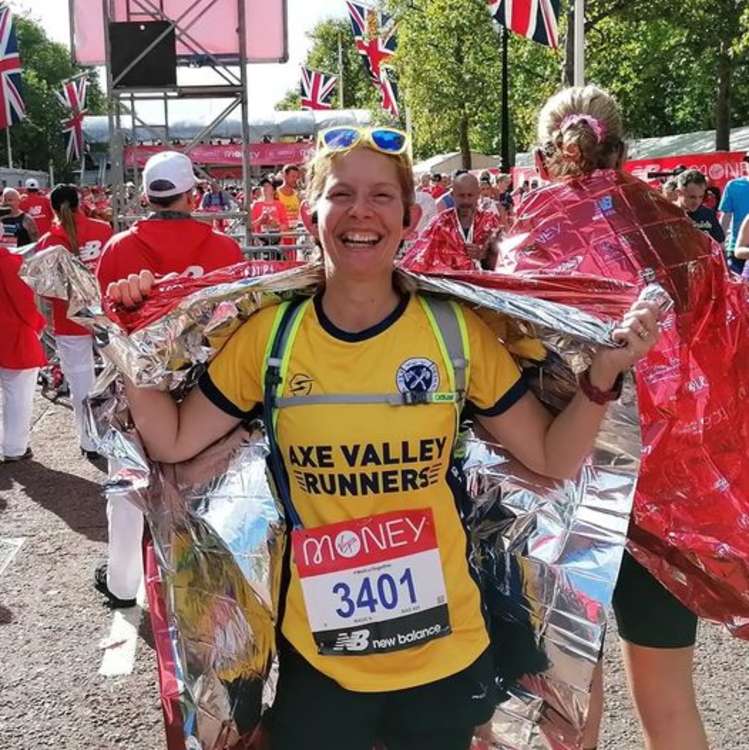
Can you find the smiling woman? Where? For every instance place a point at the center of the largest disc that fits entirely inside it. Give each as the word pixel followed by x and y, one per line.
pixel 377 640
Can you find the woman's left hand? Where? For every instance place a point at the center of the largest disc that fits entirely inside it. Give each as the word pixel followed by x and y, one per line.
pixel 636 335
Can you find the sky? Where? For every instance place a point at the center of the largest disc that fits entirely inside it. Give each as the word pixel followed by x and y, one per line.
pixel 267 83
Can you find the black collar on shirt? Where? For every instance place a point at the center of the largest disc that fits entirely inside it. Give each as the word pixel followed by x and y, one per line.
pixel 367 333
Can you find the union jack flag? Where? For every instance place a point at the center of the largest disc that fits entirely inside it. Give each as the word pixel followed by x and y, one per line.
pixel 12 107
pixel 316 89
pixel 389 94
pixel 73 97
pixel 374 33
pixel 535 19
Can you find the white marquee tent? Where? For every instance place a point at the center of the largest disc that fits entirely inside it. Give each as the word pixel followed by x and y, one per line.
pixel 447 163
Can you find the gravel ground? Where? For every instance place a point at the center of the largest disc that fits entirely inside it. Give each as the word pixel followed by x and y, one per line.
pixel 52 624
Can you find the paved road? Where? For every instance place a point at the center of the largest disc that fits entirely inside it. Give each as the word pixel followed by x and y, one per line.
pixel 54 628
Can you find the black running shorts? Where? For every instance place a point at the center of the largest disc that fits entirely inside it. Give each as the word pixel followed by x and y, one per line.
pixel 647 614
pixel 312 711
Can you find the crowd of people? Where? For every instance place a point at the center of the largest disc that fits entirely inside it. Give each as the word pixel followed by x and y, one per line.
pixel 360 205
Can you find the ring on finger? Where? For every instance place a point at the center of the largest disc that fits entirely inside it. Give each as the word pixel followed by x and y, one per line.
pixel 643 333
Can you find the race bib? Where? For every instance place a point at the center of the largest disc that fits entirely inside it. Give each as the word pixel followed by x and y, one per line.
pixel 373 585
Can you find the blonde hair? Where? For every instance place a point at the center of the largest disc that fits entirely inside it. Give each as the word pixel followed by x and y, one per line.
pixel 321 164
pixel 580 130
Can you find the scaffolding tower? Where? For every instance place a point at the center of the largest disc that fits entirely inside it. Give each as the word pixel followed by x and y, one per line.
pixel 228 70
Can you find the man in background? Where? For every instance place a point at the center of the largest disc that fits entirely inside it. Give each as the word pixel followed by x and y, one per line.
pixel 37 206
pixel 288 193
pixel 461 238
pixel 734 208
pixel 168 241
pixel 215 200
pixel 18 227
pixel 690 191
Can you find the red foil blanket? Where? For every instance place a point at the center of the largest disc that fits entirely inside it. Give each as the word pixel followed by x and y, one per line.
pixel 171 290
pixel 442 244
pixel 690 525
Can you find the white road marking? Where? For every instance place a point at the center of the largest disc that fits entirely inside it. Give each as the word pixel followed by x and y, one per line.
pixel 119 647
pixel 8 549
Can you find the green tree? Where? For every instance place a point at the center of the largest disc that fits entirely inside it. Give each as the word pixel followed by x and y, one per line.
pixel 660 60
pixel 675 67
pixel 715 31
pixel 358 91
pixel 291 100
pixel 534 77
pixel 448 61
pixel 38 140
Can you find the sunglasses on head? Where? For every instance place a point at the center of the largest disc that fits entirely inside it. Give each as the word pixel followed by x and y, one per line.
pixel 344 138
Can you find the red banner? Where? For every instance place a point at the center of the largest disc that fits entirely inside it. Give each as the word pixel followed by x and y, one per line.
pixel 719 167
pixel 261 154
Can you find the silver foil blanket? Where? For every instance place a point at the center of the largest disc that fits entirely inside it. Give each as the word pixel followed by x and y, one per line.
pixel 547 552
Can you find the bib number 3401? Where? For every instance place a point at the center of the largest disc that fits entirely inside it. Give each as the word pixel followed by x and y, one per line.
pixel 384 591
pixel 373 585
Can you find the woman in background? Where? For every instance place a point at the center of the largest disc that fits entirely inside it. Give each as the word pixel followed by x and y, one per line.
pixel 85 238
pixel 581 131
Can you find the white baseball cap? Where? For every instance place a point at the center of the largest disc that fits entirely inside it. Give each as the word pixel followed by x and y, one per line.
pixel 32 184
pixel 168 173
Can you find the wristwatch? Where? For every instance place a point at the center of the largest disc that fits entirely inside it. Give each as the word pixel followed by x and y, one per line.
pixel 596 395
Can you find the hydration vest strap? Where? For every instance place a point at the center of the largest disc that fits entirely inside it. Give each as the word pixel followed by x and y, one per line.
pixel 448 325
pixel 391 399
pixel 285 326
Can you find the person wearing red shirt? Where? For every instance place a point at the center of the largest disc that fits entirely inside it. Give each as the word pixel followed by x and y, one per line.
pixel 37 206
pixel 21 356
pixel 438 187
pixel 168 241
pixel 269 216
pixel 85 238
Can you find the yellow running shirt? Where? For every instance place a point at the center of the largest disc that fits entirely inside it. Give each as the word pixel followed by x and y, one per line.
pixel 383 466
pixel 291 203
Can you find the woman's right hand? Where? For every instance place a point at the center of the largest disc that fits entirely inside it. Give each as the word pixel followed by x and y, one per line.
pixel 133 290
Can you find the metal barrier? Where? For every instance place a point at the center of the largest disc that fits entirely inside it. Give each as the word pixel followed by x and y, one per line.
pixel 255 246
pixel 270 246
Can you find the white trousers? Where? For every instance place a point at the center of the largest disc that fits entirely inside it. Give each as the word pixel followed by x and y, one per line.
pixel 125 557
pixel 77 361
pixel 17 388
